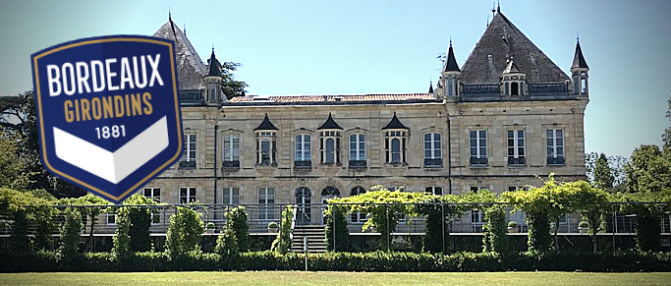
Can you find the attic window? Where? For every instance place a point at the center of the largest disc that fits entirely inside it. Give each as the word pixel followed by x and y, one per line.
pixel 514 88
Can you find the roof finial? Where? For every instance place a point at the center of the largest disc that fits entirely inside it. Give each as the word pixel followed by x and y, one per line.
pixel 450 40
pixel 493 8
pixel 184 28
pixel 487 20
pixel 169 14
pixel 577 37
pixel 498 7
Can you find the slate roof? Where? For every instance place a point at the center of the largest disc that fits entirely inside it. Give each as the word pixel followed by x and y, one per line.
pixel 395 124
pixel 501 41
pixel 511 68
pixel 578 59
pixel 214 65
pixel 330 124
pixel 190 67
pixel 266 125
pixel 331 99
pixel 451 64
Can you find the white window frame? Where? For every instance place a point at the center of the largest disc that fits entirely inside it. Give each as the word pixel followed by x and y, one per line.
pixel 303 148
pixel 432 151
pixel 266 207
pixel 152 194
pixel 231 152
pixel 335 136
pixel 358 151
pixel 554 143
pixel 112 216
pixel 233 193
pixel 432 190
pixel 270 137
pixel 190 192
pixel 188 139
pixel 358 217
pixel 401 135
pixel 478 145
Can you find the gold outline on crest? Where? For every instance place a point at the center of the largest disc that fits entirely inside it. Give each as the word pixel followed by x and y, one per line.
pixel 98 41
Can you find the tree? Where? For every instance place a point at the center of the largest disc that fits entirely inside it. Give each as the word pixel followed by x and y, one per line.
pixel 238 219
pixel 282 242
pixel 70 234
pixel 593 204
pixel 139 214
pixel 666 137
pixel 229 86
pixel 649 170
pixel 12 166
pixel 336 228
pixel 17 117
pixel 603 175
pixel 122 238
pixel 227 242
pixel 95 206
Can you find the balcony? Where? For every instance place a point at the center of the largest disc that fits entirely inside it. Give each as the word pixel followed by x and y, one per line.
pixel 302 164
pixel 357 164
pixel 479 162
pixel 433 163
pixel 512 161
pixel 557 161
pixel 231 165
pixel 187 165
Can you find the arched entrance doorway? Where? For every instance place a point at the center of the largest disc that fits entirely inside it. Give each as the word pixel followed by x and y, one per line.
pixel 327 194
pixel 303 195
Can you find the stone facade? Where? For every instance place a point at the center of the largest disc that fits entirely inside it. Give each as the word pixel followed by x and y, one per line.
pixel 500 89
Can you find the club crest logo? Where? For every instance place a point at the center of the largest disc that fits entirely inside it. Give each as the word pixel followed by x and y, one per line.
pixel 108 112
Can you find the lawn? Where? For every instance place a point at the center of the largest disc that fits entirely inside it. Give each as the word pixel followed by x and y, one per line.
pixel 336 278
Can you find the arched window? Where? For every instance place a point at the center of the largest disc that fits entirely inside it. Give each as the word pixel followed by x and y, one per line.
pixel 330 146
pixel 328 193
pixel 514 88
pixel 330 151
pixel 266 148
pixel 358 217
pixel 395 150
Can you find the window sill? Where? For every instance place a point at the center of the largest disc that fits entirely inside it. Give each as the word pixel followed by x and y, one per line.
pixel 479 166
pixel 556 165
pixel 516 165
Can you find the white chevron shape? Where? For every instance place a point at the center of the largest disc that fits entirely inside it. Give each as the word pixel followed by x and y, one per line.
pixel 112 166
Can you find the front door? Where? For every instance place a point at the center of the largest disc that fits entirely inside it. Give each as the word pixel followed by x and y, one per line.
pixel 303 206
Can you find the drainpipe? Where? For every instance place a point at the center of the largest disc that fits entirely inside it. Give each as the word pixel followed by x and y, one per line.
pixel 449 156
pixel 216 128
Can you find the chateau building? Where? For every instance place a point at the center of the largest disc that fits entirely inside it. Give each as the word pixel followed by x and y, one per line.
pixel 507 114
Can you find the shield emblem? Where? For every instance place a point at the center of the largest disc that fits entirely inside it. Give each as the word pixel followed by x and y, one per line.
pixel 108 112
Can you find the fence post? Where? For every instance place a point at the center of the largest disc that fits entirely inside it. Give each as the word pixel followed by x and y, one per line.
pixel 334 227
pixel 280 229
pixel 386 211
pixel 614 229
pixel 305 251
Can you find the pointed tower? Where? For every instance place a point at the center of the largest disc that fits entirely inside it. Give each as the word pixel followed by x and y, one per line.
pixel 213 80
pixel 449 77
pixel 579 72
pixel 431 87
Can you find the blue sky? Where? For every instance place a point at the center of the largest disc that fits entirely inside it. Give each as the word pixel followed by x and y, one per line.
pixel 344 47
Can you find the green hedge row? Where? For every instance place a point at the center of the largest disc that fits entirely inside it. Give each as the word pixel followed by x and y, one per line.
pixel 375 261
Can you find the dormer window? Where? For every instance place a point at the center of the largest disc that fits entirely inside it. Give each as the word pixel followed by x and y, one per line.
pixel 266 143
pixel 330 135
pixel 513 80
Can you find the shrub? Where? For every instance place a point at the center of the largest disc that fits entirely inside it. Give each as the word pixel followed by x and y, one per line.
pixel 495 238
pixel 336 232
pixel 282 243
pixel 140 218
pixel 210 225
pixel 122 239
pixel 583 224
pixel 513 224
pixel 238 218
pixel 227 242
pixel 272 224
pixel 70 234
pixel 184 232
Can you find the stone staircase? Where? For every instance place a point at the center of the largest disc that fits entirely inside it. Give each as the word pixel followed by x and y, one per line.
pixel 315 235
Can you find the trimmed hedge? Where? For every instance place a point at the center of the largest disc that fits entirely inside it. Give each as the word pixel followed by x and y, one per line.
pixel 337 261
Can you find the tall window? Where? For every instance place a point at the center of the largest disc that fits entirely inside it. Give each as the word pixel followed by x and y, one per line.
pixel 231 196
pixel 155 195
pixel 395 146
pixel 266 203
pixel 555 147
pixel 516 147
pixel 231 151
pixel 433 155
pixel 478 143
pixel 188 160
pixel 330 147
pixel 187 195
pixel 302 154
pixel 266 148
pixel 358 217
pixel 450 87
pixel 477 216
pixel 438 191
pixel 357 150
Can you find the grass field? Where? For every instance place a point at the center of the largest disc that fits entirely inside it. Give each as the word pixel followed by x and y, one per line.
pixel 336 278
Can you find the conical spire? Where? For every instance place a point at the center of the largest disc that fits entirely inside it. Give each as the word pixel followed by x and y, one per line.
pixel 451 64
pixel 330 124
pixel 395 124
pixel 266 125
pixel 578 60
pixel 215 66
pixel 430 86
